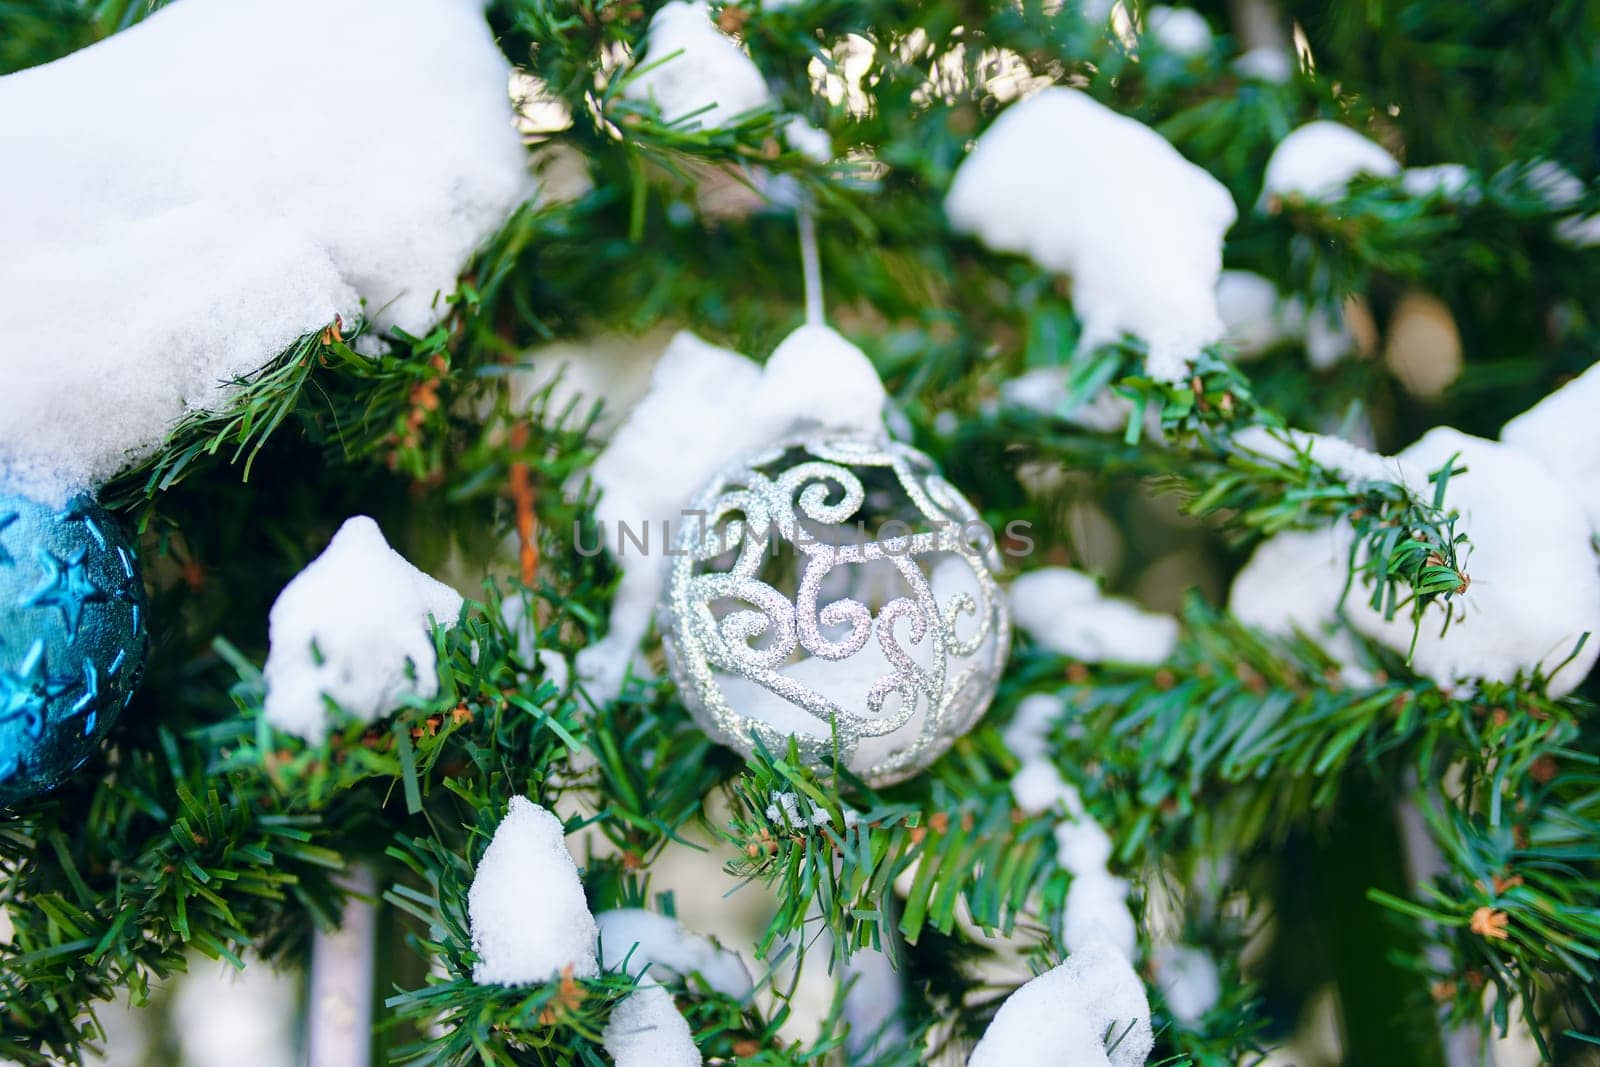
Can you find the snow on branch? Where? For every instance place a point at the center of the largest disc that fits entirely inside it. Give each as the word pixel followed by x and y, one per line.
pixel 1107 201
pixel 353 628
pixel 261 194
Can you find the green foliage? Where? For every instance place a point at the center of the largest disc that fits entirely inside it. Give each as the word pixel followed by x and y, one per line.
pixel 957 833
pixel 200 829
pixel 1241 738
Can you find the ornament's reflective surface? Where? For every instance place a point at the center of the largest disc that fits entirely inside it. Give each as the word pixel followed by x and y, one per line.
pixel 72 637
pixel 838 590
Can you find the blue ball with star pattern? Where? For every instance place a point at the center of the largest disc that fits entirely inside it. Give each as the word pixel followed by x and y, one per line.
pixel 72 637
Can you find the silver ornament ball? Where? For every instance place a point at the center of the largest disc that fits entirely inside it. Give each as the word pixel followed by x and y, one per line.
pixel 835 589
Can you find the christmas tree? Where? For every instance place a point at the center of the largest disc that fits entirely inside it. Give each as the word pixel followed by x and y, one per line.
pixel 368 359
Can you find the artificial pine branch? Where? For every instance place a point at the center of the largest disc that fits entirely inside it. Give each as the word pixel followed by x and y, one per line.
pixel 1241 737
pixel 199 828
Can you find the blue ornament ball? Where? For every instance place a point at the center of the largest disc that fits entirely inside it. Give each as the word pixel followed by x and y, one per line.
pixel 72 637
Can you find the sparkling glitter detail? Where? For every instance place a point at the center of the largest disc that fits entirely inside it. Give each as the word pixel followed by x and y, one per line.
pixel 72 638
pixel 790 493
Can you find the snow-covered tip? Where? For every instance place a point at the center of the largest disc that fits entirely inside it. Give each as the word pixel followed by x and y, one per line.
pixel 1319 160
pixel 693 71
pixel 1065 611
pixel 1096 909
pixel 707 405
pixel 646 1029
pixel 1038 787
pixel 816 377
pixel 240 243
pixel 1091 1011
pixel 655 946
pixel 353 627
pixel 529 919
pixel 1105 199
pixel 1556 187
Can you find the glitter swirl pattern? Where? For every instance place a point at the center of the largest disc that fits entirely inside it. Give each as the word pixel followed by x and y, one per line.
pixel 751 661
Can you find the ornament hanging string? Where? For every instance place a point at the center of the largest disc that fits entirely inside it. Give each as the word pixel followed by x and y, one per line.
pixel 810 264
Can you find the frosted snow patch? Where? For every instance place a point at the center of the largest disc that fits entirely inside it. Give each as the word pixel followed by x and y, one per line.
pixel 1065 611
pixel 1044 390
pixel 1083 847
pixel 1096 910
pixel 1535 582
pixel 1451 181
pixel 695 72
pixel 785 810
pixel 1268 63
pixel 657 946
pixel 1027 734
pixel 1561 431
pixel 1182 31
pixel 1256 316
pixel 1579 231
pixel 1551 182
pixel 178 212
pixel 1292 583
pixel 707 406
pixel 1188 979
pixel 526 906
pixel 353 627
pixel 1350 462
pixel 1253 319
pixel 1105 199
pixel 611 370
pixel 808 140
pixel 872 1007
pixel 1318 160
pixel 646 1028
pixel 1070 1014
pixel 1038 787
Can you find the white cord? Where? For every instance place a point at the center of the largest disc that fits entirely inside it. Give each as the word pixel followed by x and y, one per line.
pixel 810 264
